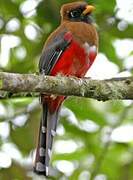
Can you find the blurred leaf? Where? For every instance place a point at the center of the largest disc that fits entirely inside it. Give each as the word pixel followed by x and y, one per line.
pixel 83 109
pixel 25 137
pixel 107 48
pixel 14 172
pixel 9 9
pixel 116 152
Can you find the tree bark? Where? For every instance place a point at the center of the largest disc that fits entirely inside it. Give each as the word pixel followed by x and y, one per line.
pixel 31 84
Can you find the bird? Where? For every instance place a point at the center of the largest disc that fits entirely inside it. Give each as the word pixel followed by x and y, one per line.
pixel 70 50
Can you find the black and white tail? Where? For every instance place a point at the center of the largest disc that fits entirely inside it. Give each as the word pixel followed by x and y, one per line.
pixel 46 133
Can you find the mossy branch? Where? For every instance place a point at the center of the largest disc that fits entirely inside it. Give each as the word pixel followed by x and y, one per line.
pixel 30 84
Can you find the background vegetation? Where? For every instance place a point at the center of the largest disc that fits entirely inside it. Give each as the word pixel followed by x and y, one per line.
pixel 86 144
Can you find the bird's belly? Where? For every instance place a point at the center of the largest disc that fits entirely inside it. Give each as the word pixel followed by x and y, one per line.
pixel 74 61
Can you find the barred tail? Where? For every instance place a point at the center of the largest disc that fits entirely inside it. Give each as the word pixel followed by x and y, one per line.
pixel 46 133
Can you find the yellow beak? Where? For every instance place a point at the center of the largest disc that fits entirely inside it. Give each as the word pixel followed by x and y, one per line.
pixel 88 9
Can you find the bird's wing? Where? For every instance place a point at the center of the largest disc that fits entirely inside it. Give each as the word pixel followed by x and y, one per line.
pixel 53 50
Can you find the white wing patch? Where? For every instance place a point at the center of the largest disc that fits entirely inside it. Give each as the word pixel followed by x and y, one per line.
pixel 89 49
pixel 86 46
pixel 93 49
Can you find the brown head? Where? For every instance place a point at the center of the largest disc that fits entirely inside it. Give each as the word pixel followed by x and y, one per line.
pixel 76 12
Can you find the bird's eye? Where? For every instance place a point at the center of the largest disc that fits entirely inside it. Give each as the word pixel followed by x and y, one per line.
pixel 75 13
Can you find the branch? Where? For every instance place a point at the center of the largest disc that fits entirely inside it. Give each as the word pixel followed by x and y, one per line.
pixel 116 88
pixel 7 95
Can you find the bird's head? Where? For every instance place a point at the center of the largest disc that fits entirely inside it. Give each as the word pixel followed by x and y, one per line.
pixel 77 12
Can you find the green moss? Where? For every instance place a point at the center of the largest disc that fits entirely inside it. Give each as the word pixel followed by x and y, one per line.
pixel 1 83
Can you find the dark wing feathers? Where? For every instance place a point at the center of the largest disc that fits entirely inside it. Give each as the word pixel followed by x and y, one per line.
pixel 52 52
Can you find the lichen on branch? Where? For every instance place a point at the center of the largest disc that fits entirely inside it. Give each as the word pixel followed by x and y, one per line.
pixel 110 89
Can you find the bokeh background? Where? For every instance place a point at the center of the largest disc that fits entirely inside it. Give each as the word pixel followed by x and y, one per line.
pixel 94 139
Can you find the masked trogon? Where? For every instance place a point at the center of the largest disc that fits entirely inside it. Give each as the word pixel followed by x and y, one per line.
pixel 70 51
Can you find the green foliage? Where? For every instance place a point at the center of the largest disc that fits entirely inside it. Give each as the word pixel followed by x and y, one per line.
pixel 87 123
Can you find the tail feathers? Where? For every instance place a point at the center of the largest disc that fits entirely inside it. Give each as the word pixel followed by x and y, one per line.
pixel 46 133
pixel 51 132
